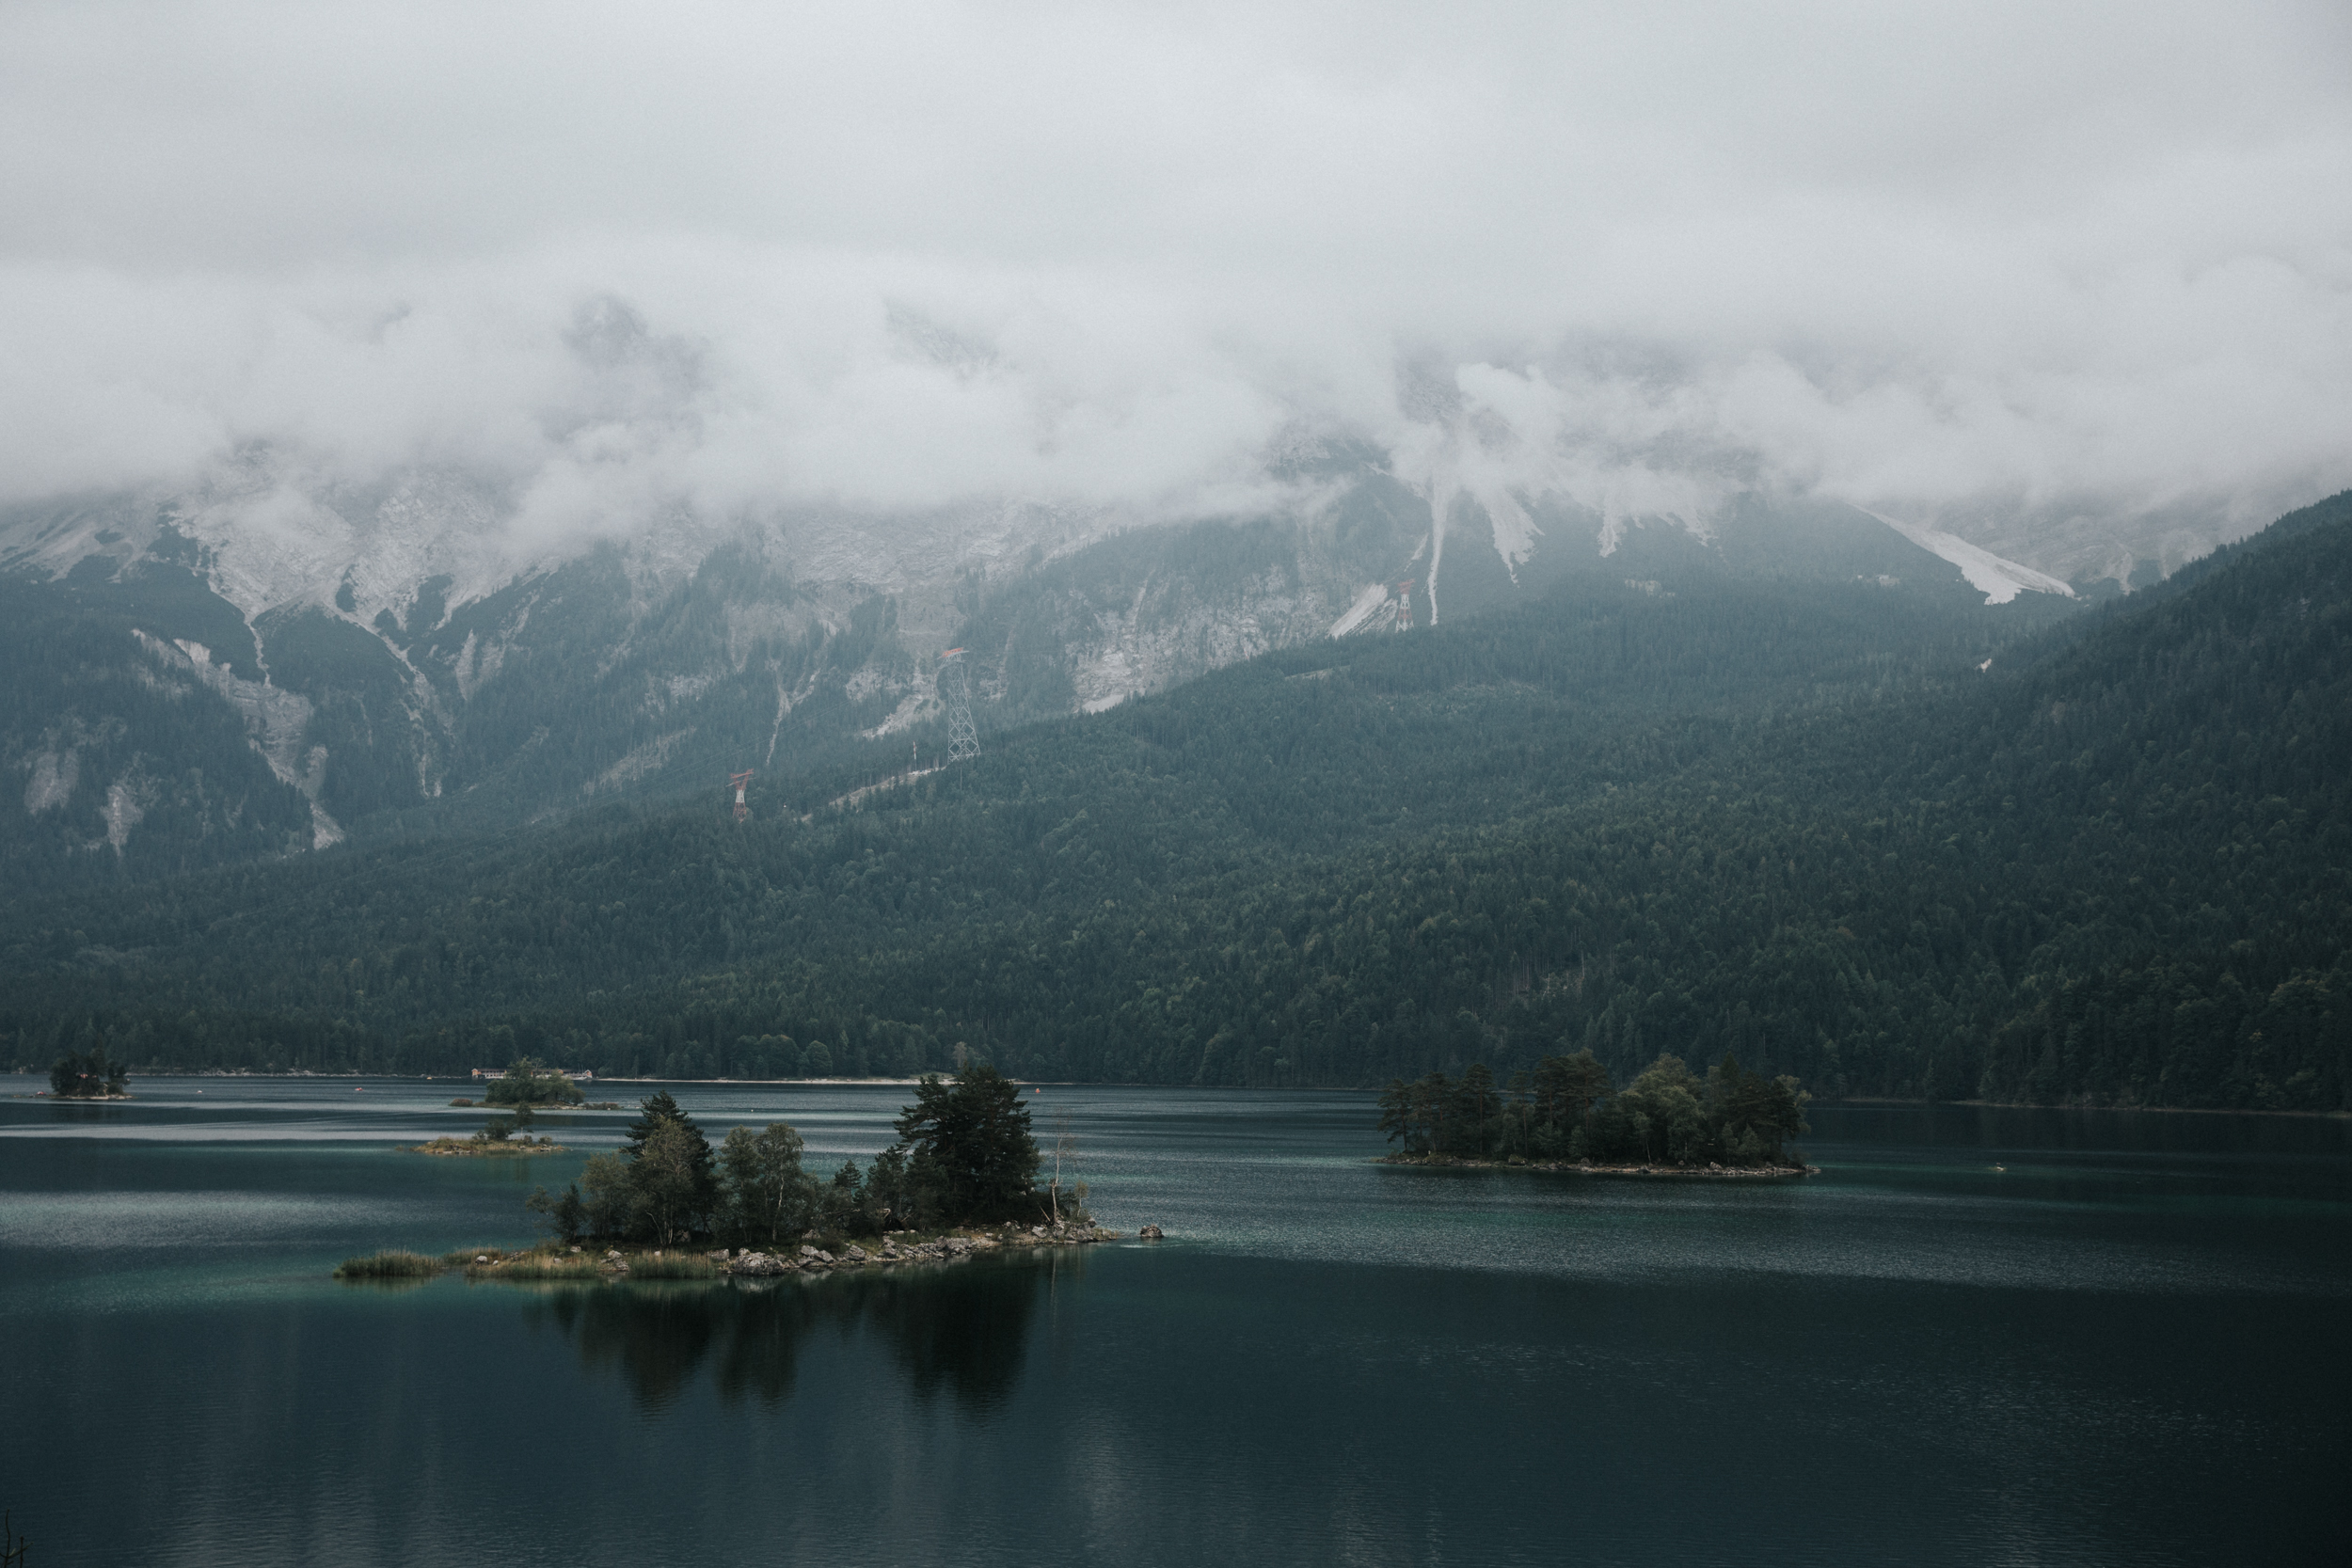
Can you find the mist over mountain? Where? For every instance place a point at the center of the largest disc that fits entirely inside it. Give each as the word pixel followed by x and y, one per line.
pixel 420 429
pixel 441 417
pixel 2072 291
pixel 188 691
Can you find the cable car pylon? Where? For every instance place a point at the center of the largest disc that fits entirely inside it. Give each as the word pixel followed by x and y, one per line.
pixel 955 694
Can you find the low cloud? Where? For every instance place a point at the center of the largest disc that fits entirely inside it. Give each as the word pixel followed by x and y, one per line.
pixel 2043 273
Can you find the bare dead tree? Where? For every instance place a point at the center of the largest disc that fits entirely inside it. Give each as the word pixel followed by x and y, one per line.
pixel 1065 1145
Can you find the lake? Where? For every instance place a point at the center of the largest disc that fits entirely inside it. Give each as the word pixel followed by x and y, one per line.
pixel 1979 1337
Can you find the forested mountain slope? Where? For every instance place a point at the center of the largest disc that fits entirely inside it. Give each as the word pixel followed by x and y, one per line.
pixel 1796 821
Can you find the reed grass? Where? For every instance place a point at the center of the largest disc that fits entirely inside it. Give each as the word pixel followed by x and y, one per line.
pixel 537 1266
pixel 389 1265
pixel 539 1263
pixel 457 1257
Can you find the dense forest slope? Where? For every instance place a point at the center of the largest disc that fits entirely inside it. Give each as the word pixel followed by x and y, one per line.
pixel 1796 819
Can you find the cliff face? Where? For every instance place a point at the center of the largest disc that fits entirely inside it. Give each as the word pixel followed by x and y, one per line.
pixel 265 670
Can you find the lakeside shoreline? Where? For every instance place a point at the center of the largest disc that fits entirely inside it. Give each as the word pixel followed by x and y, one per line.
pixel 1850 1101
pixel 1585 1167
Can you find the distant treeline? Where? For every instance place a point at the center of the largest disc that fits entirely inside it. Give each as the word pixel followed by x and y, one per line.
pixel 1790 822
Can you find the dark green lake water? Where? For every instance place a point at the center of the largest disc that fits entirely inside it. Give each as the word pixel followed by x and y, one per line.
pixel 2128 1346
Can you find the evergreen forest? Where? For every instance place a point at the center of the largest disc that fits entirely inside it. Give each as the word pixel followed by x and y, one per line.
pixel 964 1156
pixel 1892 844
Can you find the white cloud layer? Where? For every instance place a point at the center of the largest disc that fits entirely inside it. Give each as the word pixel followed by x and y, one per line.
pixel 2008 266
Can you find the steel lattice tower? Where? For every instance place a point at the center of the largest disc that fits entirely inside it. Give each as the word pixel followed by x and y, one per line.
pixel 955 693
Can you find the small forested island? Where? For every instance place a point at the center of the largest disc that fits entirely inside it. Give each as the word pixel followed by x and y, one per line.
pixel 1564 1115
pixel 961 1178
pixel 88 1075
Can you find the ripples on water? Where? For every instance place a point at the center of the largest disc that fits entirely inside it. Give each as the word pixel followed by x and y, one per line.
pixel 2118 1347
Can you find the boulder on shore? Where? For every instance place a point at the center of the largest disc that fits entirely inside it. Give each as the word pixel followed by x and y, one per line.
pixel 757 1264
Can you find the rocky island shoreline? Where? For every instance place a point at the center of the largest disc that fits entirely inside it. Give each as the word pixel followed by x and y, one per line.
pixel 554 1261
pixel 954 1248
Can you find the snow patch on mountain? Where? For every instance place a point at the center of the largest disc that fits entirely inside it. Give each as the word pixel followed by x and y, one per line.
pixel 124 810
pixel 1998 578
pixel 1515 532
pixel 1366 604
pixel 54 776
pixel 1112 676
pixel 640 761
pixel 275 723
pixel 913 709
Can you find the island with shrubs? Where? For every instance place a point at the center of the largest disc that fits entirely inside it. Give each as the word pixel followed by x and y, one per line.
pixel 962 1181
pixel 501 1138
pixel 523 1089
pixel 1567 1116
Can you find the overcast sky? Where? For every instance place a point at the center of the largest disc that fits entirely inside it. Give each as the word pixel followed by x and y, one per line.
pixel 2042 256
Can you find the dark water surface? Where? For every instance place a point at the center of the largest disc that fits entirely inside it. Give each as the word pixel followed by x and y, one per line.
pixel 2127 1346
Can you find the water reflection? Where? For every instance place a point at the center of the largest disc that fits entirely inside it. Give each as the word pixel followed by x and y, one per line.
pixel 963 1328
pixel 386 1285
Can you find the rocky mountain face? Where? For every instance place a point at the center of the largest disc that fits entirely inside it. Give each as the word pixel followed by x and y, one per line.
pixel 271 663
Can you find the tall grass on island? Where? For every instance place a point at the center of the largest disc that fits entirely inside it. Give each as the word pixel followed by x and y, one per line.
pixel 389 1265
pixel 541 1263
pixel 535 1263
